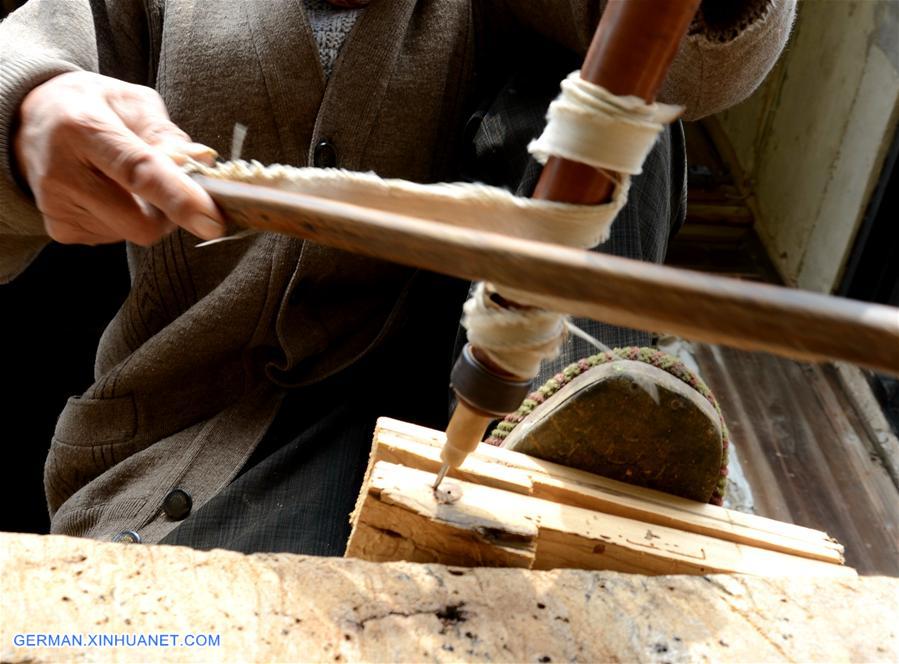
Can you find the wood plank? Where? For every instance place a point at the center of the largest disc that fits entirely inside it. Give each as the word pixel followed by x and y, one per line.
pixel 736 215
pixel 418 447
pixel 482 525
pixel 856 387
pixel 805 452
pixel 620 291
pixel 721 193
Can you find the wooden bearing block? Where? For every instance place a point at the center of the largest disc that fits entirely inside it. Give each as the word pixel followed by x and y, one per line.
pixel 502 508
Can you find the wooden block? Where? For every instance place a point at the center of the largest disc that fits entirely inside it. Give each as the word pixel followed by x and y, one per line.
pixel 400 517
pixel 418 447
pixel 515 510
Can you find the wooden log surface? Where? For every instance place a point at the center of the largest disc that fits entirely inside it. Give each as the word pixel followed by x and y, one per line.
pixel 493 517
pixel 719 310
pixel 286 608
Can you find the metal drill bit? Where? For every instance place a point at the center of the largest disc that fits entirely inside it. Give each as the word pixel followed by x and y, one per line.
pixel 444 469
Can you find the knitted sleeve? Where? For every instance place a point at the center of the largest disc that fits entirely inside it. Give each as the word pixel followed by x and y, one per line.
pixel 39 41
pixel 730 48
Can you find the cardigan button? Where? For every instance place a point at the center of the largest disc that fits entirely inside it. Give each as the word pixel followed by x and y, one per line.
pixel 177 504
pixel 127 537
pixel 324 155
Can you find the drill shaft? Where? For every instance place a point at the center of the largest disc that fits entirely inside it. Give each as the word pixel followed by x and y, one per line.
pixel 466 429
pixel 630 54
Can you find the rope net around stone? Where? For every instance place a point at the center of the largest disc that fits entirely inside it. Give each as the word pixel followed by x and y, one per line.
pixel 653 356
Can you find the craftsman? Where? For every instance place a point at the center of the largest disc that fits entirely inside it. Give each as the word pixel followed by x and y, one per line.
pixel 237 387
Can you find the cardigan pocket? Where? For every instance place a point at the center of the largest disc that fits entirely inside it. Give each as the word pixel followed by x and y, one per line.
pixel 89 422
pixel 91 436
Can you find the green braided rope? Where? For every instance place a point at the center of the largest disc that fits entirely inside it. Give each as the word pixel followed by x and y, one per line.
pixel 653 356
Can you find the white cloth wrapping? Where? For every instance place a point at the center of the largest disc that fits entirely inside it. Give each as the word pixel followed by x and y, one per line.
pixel 458 204
pixel 589 124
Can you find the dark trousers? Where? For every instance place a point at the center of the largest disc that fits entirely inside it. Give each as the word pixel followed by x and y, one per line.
pixel 299 487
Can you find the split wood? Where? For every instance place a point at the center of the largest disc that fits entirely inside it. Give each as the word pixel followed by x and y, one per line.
pixel 509 509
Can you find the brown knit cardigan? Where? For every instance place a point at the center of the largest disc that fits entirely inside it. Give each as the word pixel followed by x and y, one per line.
pixel 189 372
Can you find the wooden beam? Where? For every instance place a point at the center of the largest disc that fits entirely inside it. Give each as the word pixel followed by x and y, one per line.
pixel 717 310
pixel 505 510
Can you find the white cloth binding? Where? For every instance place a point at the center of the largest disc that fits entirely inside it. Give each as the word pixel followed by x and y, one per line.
pixel 589 124
pixel 459 204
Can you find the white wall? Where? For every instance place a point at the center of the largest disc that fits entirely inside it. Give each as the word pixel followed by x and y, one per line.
pixel 811 141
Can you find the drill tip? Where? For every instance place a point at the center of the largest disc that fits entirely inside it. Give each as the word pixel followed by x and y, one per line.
pixel 444 469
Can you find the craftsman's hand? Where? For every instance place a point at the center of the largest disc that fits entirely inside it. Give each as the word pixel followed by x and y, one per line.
pixel 100 156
